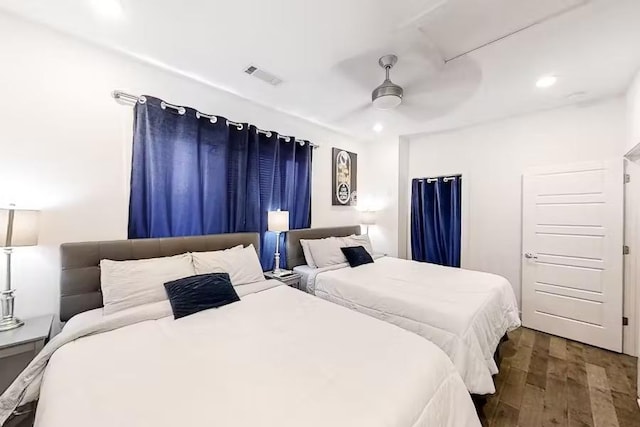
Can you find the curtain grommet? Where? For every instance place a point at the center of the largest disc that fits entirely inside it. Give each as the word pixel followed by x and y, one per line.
pixel 237 125
pixel 180 110
pixel 142 99
pixel 212 119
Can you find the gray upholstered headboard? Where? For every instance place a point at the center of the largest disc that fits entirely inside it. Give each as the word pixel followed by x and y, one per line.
pixel 295 256
pixel 80 276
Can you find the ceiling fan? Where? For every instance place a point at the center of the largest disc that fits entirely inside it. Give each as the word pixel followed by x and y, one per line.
pixel 388 95
pixel 430 87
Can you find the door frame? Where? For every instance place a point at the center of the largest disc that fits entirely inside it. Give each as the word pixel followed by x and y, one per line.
pixel 631 341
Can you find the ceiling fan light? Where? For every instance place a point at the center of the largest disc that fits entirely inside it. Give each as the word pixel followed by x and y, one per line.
pixel 387 102
pixel 387 96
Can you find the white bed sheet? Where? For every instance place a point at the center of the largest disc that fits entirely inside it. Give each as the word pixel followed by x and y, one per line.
pixel 279 357
pixel 464 312
pixel 308 274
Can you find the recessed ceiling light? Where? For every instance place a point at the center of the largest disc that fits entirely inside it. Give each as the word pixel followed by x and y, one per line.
pixel 377 128
pixel 111 9
pixel 546 81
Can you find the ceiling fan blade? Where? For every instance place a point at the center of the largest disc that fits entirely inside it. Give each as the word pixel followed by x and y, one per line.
pixel 416 54
pixel 443 92
pixel 414 111
pixel 354 113
pixel 458 73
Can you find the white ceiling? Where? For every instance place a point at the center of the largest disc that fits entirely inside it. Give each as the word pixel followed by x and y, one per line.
pixel 326 52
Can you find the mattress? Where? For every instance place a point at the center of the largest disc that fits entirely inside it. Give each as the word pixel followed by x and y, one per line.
pixel 464 312
pixel 278 357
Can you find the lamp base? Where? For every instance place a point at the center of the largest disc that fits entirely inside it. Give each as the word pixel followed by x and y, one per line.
pixel 10 323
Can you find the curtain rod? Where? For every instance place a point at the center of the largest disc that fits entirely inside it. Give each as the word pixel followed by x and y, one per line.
pixel 445 178
pixel 120 95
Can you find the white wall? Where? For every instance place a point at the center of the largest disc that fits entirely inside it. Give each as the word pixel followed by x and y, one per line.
pixel 404 198
pixel 492 158
pixel 65 144
pixel 381 196
pixel 633 113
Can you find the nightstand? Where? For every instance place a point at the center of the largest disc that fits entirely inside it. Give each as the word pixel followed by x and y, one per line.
pixel 292 279
pixel 19 346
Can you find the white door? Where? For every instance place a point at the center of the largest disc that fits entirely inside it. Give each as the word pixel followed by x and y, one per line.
pixel 572 240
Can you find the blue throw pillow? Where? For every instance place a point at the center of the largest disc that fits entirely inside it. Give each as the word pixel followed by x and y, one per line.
pixel 192 294
pixel 356 255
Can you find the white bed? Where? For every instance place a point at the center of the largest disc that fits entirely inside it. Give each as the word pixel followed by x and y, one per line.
pixel 278 357
pixel 464 312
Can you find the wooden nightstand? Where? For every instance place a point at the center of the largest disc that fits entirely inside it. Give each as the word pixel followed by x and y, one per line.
pixel 19 346
pixel 292 279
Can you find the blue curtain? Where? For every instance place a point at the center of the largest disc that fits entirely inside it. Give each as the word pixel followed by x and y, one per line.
pixel 193 177
pixel 436 220
pixel 285 183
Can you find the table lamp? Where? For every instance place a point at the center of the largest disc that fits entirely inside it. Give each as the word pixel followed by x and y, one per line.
pixel 18 227
pixel 368 218
pixel 278 222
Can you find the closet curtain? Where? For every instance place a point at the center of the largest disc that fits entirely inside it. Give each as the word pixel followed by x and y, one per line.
pixel 190 176
pixel 436 220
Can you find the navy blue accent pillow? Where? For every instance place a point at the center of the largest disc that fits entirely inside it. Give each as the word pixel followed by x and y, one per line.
pixel 356 255
pixel 192 294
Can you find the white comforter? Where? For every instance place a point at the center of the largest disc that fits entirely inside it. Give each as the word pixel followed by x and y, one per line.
pixel 464 312
pixel 278 357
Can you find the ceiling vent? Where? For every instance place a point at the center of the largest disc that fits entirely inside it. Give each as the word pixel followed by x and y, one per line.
pixel 265 76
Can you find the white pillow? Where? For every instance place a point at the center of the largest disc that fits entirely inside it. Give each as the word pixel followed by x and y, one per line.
pixel 326 252
pixel 127 284
pixel 242 264
pixel 307 253
pixel 361 240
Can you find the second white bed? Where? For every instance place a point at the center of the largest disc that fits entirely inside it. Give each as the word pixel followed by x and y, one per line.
pixel 464 312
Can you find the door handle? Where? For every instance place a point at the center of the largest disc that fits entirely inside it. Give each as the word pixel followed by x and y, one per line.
pixel 530 256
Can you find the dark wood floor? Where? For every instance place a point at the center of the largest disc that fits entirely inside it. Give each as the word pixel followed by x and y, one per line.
pixel 549 381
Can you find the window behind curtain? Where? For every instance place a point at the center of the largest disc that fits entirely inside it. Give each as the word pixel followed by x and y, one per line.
pixel 193 177
pixel 436 213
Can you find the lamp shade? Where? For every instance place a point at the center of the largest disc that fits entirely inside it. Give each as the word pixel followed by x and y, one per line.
pixel 18 227
pixel 278 221
pixel 368 218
